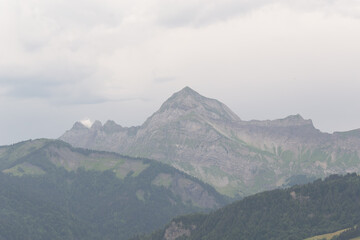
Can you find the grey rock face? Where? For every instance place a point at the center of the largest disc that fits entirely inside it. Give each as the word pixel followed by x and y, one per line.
pixel 177 230
pixel 204 138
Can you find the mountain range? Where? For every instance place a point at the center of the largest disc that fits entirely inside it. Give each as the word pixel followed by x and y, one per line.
pixel 204 138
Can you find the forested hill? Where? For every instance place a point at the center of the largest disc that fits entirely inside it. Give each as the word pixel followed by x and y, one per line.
pixel 323 206
pixel 49 190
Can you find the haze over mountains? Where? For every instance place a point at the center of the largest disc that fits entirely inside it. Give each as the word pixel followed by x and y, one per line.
pixel 52 190
pixel 205 139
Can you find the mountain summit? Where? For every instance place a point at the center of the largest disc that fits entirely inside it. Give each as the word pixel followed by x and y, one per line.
pixel 204 138
pixel 188 100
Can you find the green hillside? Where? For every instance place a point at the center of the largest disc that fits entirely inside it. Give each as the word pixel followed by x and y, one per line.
pixel 300 212
pixel 49 190
pixel 327 236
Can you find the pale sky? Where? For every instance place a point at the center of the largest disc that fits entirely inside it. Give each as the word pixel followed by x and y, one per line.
pixel 63 61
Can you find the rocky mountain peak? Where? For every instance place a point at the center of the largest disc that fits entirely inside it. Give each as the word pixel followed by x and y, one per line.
pixel 111 126
pixel 78 126
pixel 289 121
pixel 187 100
pixel 188 91
pixel 297 120
pixel 97 125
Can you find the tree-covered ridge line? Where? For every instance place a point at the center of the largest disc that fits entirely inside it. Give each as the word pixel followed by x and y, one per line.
pixel 35 151
pixel 80 201
pixel 299 212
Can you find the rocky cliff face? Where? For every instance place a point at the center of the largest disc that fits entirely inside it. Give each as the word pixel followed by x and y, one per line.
pixel 204 138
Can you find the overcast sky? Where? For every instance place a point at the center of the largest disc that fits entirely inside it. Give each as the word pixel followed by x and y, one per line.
pixel 62 61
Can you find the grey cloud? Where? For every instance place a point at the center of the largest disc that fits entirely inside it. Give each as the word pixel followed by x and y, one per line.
pixel 32 46
pixel 58 85
pixel 39 23
pixel 30 86
pixel 84 97
pixel 30 90
pixel 164 79
pixel 54 92
pixel 79 99
pixel 206 12
pixel 202 13
pixel 53 73
pixel 348 8
pixel 66 13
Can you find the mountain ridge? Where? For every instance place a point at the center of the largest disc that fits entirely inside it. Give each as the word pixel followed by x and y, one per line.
pixel 51 190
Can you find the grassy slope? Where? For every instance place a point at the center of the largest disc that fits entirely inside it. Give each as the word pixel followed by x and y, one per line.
pixel 327 236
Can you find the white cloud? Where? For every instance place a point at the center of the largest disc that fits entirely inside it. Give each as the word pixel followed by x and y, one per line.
pixel 87 122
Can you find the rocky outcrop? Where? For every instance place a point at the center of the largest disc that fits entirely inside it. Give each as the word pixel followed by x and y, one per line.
pixel 176 230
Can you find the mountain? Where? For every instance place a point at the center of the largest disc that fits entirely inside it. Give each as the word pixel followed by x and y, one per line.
pixel 205 139
pixel 300 212
pixel 50 190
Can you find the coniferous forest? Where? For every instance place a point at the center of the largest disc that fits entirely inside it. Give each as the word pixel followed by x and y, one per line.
pixel 324 206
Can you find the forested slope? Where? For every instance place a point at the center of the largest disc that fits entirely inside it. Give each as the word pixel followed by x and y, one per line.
pixel 299 212
pixel 49 190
